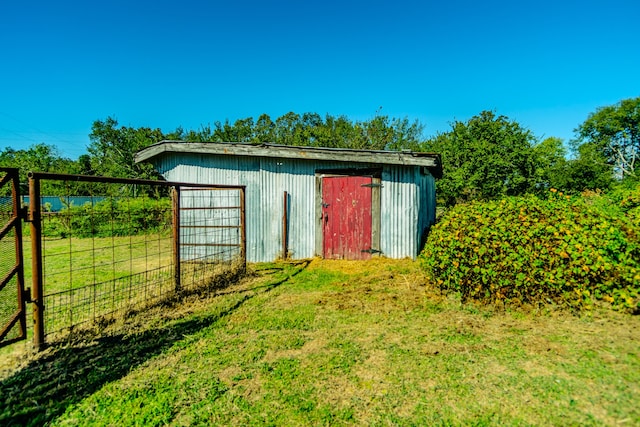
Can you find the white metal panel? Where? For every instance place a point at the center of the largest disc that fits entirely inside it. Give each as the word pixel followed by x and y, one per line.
pixel 399 212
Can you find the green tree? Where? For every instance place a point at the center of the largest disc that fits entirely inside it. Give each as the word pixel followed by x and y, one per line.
pixel 112 149
pixel 289 129
pixel 265 129
pixel 615 131
pixel 588 171
pixel 39 157
pixel 485 158
pixel 551 165
pixel 311 129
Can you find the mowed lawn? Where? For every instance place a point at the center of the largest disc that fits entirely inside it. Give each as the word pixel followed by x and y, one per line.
pixel 336 343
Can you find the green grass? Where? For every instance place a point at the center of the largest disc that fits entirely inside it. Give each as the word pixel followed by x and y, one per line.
pixel 86 279
pixel 337 343
pixel 72 262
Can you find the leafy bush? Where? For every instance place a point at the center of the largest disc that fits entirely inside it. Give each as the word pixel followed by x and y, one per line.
pixel 529 250
pixel 111 217
pixel 630 205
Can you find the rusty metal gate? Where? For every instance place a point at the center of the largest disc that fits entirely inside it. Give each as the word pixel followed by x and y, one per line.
pixel 12 293
pixel 127 248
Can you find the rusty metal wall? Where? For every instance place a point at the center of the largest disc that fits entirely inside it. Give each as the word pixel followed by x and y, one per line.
pixel 403 217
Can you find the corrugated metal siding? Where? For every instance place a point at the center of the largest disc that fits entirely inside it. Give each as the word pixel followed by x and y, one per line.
pixel 427 217
pixel 267 179
pixel 398 212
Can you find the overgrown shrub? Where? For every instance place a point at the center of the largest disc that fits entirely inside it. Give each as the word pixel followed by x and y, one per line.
pixel 529 250
pixel 111 217
pixel 630 205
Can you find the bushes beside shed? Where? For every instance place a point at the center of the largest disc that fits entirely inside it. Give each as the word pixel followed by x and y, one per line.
pixel 572 251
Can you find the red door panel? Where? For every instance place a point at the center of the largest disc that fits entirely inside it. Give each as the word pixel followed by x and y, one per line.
pixel 346 216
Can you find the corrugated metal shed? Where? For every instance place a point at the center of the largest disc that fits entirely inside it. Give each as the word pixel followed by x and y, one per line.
pixel 403 209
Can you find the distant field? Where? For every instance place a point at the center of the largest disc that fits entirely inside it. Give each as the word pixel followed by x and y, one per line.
pixel 337 343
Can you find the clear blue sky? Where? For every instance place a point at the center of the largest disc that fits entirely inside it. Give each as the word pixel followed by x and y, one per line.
pixel 163 64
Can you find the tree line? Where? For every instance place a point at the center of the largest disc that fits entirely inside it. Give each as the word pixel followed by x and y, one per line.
pixel 486 157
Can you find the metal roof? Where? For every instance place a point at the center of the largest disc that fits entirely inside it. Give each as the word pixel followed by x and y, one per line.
pixel 429 160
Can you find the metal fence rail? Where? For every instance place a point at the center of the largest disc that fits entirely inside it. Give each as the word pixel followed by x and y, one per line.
pixel 133 244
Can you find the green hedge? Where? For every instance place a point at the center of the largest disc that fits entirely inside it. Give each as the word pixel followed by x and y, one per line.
pixel 111 217
pixel 567 250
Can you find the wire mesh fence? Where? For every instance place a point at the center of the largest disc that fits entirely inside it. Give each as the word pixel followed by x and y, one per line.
pixel 12 316
pixel 211 232
pixel 130 245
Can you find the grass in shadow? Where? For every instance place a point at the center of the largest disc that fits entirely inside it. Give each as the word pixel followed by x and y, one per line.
pixel 43 389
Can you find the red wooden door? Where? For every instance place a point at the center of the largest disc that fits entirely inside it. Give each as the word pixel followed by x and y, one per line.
pixel 346 217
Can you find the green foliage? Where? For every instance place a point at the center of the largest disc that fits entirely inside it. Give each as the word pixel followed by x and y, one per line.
pixel 311 129
pixel 550 158
pixel 485 158
pixel 615 132
pixel 527 250
pixel 112 149
pixel 111 217
pixel 588 171
pixel 628 201
pixel 37 158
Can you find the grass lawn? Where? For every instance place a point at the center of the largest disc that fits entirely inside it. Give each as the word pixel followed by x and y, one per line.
pixel 335 343
pixel 71 263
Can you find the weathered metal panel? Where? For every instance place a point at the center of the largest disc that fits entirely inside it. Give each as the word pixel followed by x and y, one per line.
pixel 266 180
pixel 427 203
pixel 399 212
pixel 402 217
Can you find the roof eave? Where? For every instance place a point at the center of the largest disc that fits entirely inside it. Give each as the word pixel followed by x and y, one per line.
pixel 409 158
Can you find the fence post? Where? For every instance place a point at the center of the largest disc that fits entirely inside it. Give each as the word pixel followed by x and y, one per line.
pixel 285 224
pixel 35 220
pixel 243 228
pixel 175 194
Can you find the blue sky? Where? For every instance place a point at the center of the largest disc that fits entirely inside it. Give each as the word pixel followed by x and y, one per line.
pixel 163 64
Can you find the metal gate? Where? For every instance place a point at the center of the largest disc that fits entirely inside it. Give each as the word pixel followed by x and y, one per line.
pixel 12 293
pixel 125 249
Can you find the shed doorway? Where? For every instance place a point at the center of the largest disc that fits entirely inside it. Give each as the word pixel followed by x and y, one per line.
pixel 347 217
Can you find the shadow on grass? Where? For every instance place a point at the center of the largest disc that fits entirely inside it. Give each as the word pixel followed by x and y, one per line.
pixel 42 390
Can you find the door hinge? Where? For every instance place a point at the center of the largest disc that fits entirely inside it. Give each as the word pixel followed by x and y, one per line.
pixel 372 185
pixel 371 251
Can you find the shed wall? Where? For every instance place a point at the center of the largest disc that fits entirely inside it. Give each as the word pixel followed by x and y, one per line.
pixel 266 180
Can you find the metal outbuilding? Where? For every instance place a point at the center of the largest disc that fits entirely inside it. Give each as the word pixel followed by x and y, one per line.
pixel 303 202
